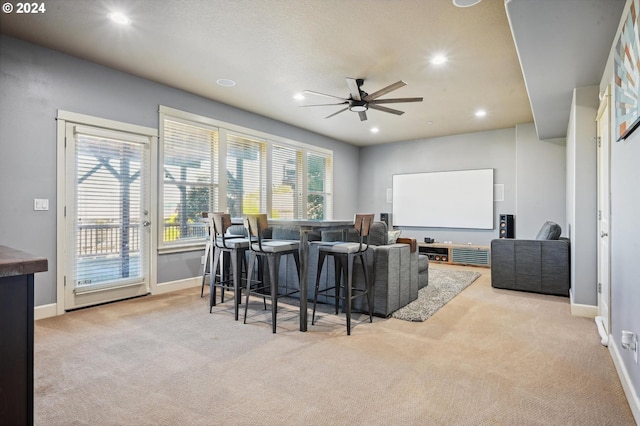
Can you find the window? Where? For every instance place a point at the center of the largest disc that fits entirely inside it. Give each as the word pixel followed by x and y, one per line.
pixel 319 191
pixel 286 181
pixel 246 175
pixel 190 179
pixel 215 166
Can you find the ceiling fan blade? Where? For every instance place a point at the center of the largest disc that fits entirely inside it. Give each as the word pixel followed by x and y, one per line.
pixel 311 92
pixel 363 115
pixel 354 89
pixel 396 100
pixel 315 105
pixel 338 112
pixel 385 90
pixel 385 109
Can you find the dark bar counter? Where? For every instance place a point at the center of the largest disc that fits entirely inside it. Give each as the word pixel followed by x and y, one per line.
pixel 16 334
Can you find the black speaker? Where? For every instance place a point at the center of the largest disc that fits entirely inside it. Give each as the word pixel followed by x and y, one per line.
pixel 385 217
pixel 507 227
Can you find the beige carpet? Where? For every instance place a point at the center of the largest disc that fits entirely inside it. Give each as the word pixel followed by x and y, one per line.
pixel 488 357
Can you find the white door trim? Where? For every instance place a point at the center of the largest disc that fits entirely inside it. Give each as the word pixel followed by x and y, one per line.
pixel 604 216
pixel 63 117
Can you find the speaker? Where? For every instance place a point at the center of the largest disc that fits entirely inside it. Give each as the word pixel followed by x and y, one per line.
pixel 386 218
pixel 507 228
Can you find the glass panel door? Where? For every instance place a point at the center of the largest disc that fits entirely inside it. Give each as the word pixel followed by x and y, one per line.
pixel 107 216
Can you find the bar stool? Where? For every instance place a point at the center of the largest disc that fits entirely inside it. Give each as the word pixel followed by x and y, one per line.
pixel 272 251
pixel 344 255
pixel 236 247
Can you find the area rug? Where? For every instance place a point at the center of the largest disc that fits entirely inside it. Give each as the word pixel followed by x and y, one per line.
pixel 443 286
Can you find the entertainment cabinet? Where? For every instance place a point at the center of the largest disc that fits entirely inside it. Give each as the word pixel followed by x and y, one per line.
pixel 457 254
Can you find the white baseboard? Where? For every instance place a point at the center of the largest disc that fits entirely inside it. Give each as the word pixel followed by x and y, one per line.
pixel 161 288
pixel 51 310
pixel 625 380
pixel 45 311
pixel 586 311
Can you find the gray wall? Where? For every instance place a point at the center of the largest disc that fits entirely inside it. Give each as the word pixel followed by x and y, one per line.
pixel 624 234
pixel 35 82
pixel 625 246
pixel 582 195
pixel 531 171
pixel 540 182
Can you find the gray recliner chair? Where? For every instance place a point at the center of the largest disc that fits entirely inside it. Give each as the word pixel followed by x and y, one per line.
pixel 538 266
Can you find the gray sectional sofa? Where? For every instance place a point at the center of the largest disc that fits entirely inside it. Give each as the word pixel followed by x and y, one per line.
pixel 398 269
pixel 539 266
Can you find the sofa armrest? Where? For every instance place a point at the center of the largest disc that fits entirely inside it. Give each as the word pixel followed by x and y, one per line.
pixel 411 241
pixel 540 266
pixel 395 277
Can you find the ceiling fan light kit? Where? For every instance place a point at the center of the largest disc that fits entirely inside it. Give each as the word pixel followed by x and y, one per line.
pixel 358 106
pixel 465 3
pixel 360 101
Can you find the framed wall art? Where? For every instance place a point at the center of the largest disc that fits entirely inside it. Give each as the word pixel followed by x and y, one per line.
pixel 627 75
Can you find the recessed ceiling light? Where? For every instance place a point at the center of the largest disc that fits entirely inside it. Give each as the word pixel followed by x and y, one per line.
pixel 298 97
pixel 119 18
pixel 465 3
pixel 481 113
pixel 225 82
pixel 438 59
pixel 374 130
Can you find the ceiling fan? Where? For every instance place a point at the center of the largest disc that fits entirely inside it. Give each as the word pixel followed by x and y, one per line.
pixel 360 101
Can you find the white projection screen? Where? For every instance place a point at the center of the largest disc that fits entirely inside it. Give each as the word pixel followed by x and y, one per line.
pixel 449 199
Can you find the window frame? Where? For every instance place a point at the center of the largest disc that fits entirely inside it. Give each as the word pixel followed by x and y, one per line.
pixel 269 140
pixel 190 120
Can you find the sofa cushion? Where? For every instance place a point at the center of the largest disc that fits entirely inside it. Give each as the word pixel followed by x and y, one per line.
pixel 423 271
pixel 549 231
pixel 423 262
pixel 392 236
pixel 237 230
pixel 377 234
pixel 285 232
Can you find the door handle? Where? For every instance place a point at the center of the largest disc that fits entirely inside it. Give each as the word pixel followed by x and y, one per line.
pixel 146 223
pixel 603 234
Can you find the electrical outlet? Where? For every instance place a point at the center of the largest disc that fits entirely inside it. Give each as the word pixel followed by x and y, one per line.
pixel 630 342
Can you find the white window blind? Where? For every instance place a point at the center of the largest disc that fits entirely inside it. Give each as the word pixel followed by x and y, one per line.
pixel 190 182
pixel 286 182
pixel 244 171
pixel 109 201
pixel 319 186
pixel 246 175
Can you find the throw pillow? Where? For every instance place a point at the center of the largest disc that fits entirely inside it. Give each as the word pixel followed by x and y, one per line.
pixel 392 236
pixel 549 231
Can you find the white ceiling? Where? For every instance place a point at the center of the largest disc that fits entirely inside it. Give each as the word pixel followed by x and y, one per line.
pixel 274 49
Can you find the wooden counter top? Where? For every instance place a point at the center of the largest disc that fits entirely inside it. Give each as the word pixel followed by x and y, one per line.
pixel 15 262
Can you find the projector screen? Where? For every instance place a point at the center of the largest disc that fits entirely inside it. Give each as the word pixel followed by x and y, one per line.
pixel 452 199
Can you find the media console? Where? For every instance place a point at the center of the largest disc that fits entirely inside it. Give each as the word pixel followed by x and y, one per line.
pixel 457 254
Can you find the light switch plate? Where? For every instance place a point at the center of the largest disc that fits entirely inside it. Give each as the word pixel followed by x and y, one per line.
pixel 40 204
